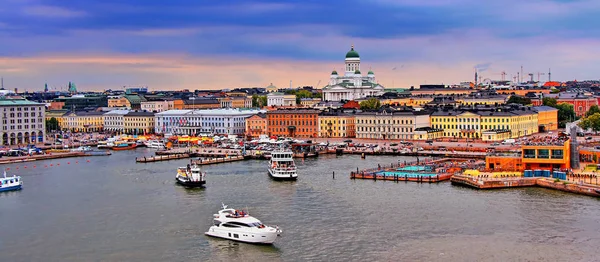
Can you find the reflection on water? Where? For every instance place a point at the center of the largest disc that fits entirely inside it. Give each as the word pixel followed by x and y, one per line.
pixel 114 209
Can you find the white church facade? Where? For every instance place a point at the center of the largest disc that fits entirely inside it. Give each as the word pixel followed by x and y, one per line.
pixel 352 85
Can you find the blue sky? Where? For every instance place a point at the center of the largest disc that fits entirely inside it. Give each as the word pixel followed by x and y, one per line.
pixel 219 44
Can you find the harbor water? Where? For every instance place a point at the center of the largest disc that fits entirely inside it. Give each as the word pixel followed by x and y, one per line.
pixel 113 209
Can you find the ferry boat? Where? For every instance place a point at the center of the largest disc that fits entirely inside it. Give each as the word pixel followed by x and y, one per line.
pixel 282 166
pixel 10 183
pixel 124 146
pixel 105 144
pixel 238 225
pixel 82 149
pixel 155 144
pixel 190 176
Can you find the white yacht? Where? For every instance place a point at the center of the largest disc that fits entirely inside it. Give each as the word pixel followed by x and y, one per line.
pixel 238 225
pixel 155 144
pixel 10 183
pixel 190 176
pixel 282 166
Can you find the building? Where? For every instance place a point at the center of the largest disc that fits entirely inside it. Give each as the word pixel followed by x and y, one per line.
pixel 388 123
pixel 138 123
pixel 114 120
pixel 549 153
pixel 581 102
pixel 135 101
pixel 235 102
pixel 271 88
pixel 336 124
pixel 256 125
pixel 55 105
pixel 80 102
pixel 309 102
pixel 58 115
pixel 201 103
pixel 293 123
pixel 208 121
pixel 427 133
pixel 83 121
pixel 119 101
pixel 136 90
pixel 281 99
pixel 487 123
pixel 23 121
pixel 547 118
pixel 352 85
pixel 156 106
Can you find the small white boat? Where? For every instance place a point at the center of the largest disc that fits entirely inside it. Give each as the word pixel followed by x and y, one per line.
pixel 190 176
pixel 155 144
pixel 82 149
pixel 238 225
pixel 282 166
pixel 10 183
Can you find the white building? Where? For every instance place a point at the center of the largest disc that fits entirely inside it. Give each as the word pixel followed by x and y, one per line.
pixel 155 106
pixel 280 99
pixel 209 121
pixel 114 120
pixel 353 85
pixel 23 121
pixel 389 124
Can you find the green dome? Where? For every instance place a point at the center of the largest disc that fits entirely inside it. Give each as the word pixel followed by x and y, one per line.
pixel 352 53
pixel 371 72
pixel 357 72
pixel 334 72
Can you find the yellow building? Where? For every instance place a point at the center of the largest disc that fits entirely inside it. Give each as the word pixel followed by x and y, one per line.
pixel 138 123
pixel 235 101
pixel 482 100
pixel 120 101
pixel 336 124
pixel 58 115
pixel 309 102
pixel 496 123
pixel 427 133
pixel 83 121
pixel 547 118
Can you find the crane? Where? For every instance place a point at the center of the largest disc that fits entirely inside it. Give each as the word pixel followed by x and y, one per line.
pixel 503 74
pixel 317 86
pixel 540 74
pixel 531 76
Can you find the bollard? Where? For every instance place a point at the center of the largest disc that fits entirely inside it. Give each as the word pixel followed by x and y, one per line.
pixel 333 174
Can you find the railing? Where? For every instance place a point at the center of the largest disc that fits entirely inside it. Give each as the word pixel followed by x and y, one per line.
pixel 529 156
pixel 543 156
pixel 557 157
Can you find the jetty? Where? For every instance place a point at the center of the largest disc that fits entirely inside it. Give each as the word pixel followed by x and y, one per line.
pixel 217 160
pixel 428 171
pixel 161 158
pixel 511 182
pixel 20 159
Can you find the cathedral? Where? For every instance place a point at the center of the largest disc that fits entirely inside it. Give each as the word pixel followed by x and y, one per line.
pixel 352 85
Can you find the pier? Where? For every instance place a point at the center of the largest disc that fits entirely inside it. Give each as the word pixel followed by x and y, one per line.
pixel 210 161
pixel 511 182
pixel 20 159
pixel 428 171
pixel 161 158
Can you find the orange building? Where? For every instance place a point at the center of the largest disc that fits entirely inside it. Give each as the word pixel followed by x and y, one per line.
pixel 547 118
pixel 177 104
pixel 56 105
pixel 293 122
pixel 256 125
pixel 120 101
pixel 535 156
pixel 523 92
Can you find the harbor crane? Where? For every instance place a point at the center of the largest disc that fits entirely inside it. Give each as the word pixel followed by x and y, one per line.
pixel 540 74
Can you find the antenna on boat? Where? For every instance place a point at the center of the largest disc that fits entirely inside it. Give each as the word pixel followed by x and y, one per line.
pixel 5 173
pixel 223 205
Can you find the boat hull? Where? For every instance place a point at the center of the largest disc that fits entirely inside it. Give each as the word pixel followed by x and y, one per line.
pixel 292 177
pixel 189 183
pixel 264 238
pixel 11 188
pixel 118 148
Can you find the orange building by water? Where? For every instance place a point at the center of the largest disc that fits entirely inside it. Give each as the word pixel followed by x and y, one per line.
pixel 542 156
pixel 256 125
pixel 293 123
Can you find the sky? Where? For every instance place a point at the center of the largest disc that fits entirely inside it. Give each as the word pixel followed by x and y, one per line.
pixel 197 44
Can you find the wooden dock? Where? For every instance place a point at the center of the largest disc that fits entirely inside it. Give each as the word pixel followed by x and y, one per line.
pixel 161 158
pixel 19 159
pixel 217 160
pixel 491 183
pixel 399 178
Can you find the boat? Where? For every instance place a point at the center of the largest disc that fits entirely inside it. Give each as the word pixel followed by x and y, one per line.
pixel 282 166
pixel 140 143
pixel 190 176
pixel 124 146
pixel 10 183
pixel 155 144
pixel 82 149
pixel 238 225
pixel 105 144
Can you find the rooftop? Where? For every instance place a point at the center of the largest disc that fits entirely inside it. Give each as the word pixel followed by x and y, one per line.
pixel 17 102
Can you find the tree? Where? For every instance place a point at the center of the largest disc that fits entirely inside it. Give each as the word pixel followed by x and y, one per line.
pixel 548 101
pixel 591 122
pixel 371 103
pixel 52 124
pixel 519 100
pixel 259 101
pixel 566 113
pixel 302 94
pixel 593 110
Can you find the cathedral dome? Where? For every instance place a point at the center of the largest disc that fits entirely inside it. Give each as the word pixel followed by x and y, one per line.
pixel 352 53
pixel 334 72
pixel 370 72
pixel 357 72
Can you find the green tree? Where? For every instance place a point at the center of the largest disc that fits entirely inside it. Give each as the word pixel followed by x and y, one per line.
pixel 593 110
pixel 259 101
pixel 592 122
pixel 302 94
pixel 371 103
pixel 566 114
pixel 519 100
pixel 548 101
pixel 52 124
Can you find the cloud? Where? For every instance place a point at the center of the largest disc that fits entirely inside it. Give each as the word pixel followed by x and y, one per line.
pixel 47 11
pixel 482 67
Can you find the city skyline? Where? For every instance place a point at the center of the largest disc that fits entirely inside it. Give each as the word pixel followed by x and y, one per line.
pixel 206 45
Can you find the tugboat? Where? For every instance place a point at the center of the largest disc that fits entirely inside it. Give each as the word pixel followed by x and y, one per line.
pixel 282 166
pixel 190 176
pixel 124 146
pixel 238 225
pixel 10 183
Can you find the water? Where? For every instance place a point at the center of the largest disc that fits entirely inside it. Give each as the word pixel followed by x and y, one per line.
pixel 113 209
pixel 414 168
pixel 406 174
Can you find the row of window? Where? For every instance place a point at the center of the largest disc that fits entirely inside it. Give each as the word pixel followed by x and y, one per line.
pixel 20 114
pixel 484 120
pixel 381 129
pixel 20 127
pixel 384 121
pixel 19 121
pixel 22 109
pixel 291 122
